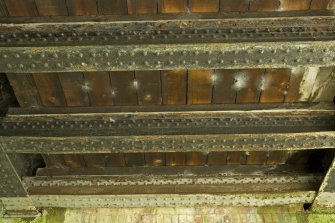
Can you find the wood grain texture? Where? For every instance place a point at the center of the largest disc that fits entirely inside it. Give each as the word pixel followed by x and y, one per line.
pixel 199 87
pixel 264 5
pixel 95 160
pixel 50 89
pixel 204 5
pixel 255 158
pixel 236 158
pixel 74 161
pixel 172 6
pixel 75 89
pixel 51 7
pixel 82 7
pixel 275 85
pixel 234 5
pixel 149 87
pixel 115 159
pixel 247 84
pixel 175 159
pixel 134 159
pixel 155 159
pixel 291 5
pixel 21 8
pixel 276 157
pixel 196 159
pixel 217 158
pixel 99 88
pixel 174 87
pixel 142 7
pixel 293 92
pixel 115 7
pixel 25 90
pixel 223 92
pixel 124 90
pixel 3 8
pixel 324 86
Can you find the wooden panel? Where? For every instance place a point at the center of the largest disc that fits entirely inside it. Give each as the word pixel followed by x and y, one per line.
pixel 204 5
pixel 115 7
pixel 3 9
pixel 234 5
pixel 21 8
pixel 217 158
pixel 142 7
pixel 172 6
pixel 134 159
pixel 276 157
pixel 75 89
pixel 175 159
pixel 196 159
pixel 82 7
pixel 51 7
pixel 255 157
pixel 174 87
pixel 274 85
pixel 236 158
pixel 293 94
pixel 95 160
pixel 319 4
pixel 149 87
pixel 50 89
pixel 324 86
pixel 223 81
pixel 247 85
pixel 124 88
pixel 264 5
pixel 115 159
pixel 199 87
pixel 74 161
pixel 25 90
pixel 99 88
pixel 54 161
pixel 155 159
pixel 287 5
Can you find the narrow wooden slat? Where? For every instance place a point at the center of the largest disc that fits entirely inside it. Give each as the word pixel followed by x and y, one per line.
pixel 175 159
pixel 199 87
pixel 174 87
pixel 172 6
pixel 3 8
pixel 115 160
pixel 134 159
pixel 234 6
pixel 75 89
pixel 223 81
pixel 274 85
pixel 324 86
pixel 82 7
pixel 196 159
pixel 21 8
pixel 51 7
pixel 149 87
pixel 99 88
pixel 95 160
pixel 236 158
pixel 264 5
pixel 115 7
pixel 217 158
pixel 74 161
pixel 293 94
pixel 287 5
pixel 124 88
pixel 155 159
pixel 25 90
pixel 204 5
pixel 255 158
pixel 142 7
pixel 247 84
pixel 50 89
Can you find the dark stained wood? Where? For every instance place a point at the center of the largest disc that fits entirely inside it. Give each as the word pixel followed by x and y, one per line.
pixel 149 87
pixel 134 159
pixel 255 157
pixel 319 4
pixel 199 87
pixel 124 89
pixel 299 157
pixel 204 5
pixel 275 85
pixel 264 5
pixel 95 160
pixel 196 159
pixel 236 158
pixel 142 7
pixel 100 89
pixel 172 6
pixel 276 157
pixel 234 5
pixel 223 91
pixel 25 90
pixel 175 159
pixel 74 161
pixel 75 89
pixel 115 7
pixel 82 7
pixel 51 7
pixel 293 92
pixel 50 89
pixel 155 159
pixel 3 8
pixel 174 87
pixel 217 158
pixel 247 85
pixel 287 5
pixel 115 159
pixel 21 7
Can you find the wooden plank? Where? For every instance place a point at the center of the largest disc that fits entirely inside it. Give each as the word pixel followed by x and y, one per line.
pixel 199 87
pixel 175 159
pixel 236 158
pixel 287 5
pixel 100 90
pixel 293 93
pixel 155 159
pixel 54 161
pixel 25 90
pixel 115 160
pixel 172 6
pixel 276 157
pixel 255 158
pixel 124 88
pixel 74 161
pixel 82 7
pixel 196 159
pixel 51 7
pixel 324 86
pixel 217 158
pixel 21 8
pixel 234 6
pixel 264 5
pixel 95 160
pixel 142 7
pixel 223 81
pixel 204 5
pixel 134 159
pixel 75 89
pixel 274 85
pixel 149 87
pixel 247 84
pixel 3 8
pixel 115 7
pixel 174 87
pixel 50 89
pixel 319 4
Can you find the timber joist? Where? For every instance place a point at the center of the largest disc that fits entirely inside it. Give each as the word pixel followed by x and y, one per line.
pixel 215 42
